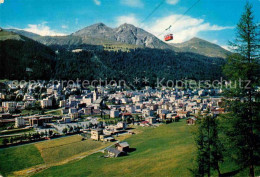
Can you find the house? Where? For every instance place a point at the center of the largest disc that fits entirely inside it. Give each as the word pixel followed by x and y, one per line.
pixel 39 120
pixel 183 114
pixel 45 103
pixel 126 115
pixel 72 110
pixel 9 106
pixel 147 113
pixel 121 125
pixel 151 120
pixel 191 121
pixel 62 103
pixel 122 146
pixel 107 138
pixel 66 119
pixel 98 103
pixel 95 134
pixel 113 152
pixel 114 113
pixel 19 122
pixel 88 110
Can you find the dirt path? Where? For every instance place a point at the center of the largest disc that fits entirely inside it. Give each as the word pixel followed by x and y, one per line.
pixel 38 168
pixel 32 170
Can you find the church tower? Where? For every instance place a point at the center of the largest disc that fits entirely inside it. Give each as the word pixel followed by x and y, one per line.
pixel 95 95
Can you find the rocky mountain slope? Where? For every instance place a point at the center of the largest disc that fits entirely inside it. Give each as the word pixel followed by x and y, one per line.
pixel 126 36
pixel 202 47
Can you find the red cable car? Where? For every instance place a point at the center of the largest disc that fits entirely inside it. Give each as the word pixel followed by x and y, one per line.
pixel 168 37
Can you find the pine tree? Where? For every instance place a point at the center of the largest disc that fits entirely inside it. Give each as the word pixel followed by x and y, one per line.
pixel 209 146
pixel 243 70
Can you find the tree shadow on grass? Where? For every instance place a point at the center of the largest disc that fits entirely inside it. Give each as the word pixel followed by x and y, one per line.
pixel 229 174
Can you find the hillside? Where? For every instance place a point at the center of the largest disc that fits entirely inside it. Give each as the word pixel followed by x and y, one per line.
pixel 23 33
pixel 5 35
pixel 21 57
pixel 202 47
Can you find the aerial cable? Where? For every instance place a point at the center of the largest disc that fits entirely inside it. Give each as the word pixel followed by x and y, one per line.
pixel 153 11
pixel 180 16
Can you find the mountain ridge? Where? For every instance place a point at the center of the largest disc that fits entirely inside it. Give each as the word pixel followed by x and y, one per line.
pixel 100 34
pixel 203 47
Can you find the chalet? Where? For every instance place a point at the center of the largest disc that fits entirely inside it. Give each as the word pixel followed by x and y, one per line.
pixel 191 121
pixel 106 138
pixel 122 146
pixel 113 152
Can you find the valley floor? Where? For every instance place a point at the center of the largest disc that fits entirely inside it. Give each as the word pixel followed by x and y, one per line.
pixel 167 150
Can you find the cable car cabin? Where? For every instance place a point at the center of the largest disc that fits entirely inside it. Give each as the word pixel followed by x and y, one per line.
pixel 168 37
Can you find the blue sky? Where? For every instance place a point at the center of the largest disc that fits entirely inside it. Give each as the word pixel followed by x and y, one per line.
pixel 213 20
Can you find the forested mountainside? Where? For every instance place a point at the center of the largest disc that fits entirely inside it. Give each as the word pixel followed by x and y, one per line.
pixel 23 58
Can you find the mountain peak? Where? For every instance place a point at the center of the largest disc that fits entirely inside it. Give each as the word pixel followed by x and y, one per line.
pixel 94 30
pixel 99 25
pixel 127 25
pixel 196 39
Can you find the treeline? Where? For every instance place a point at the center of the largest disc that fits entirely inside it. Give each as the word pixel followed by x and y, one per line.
pixel 31 60
pixel 141 63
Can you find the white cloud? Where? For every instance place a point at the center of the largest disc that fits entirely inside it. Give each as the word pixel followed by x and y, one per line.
pixel 133 3
pixel 42 29
pixel 130 19
pixel 184 29
pixel 64 26
pixel 172 2
pixel 226 47
pixel 1 1
pixel 97 2
pixel 214 41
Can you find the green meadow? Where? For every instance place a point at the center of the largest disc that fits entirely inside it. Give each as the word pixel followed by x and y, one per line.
pixel 163 151
pixel 18 158
pixel 167 150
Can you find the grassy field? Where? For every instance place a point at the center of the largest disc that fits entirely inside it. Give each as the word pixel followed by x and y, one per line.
pixel 164 151
pixel 17 158
pixel 21 159
pixel 15 131
pixel 26 112
pixel 60 149
pixel 168 150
